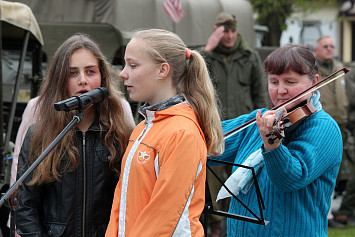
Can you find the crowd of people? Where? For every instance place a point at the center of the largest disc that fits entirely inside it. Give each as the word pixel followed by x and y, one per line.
pixel 111 177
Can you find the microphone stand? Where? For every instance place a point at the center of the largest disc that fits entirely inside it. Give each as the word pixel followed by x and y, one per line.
pixel 11 195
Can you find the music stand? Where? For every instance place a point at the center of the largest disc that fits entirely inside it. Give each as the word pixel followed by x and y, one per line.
pixel 208 210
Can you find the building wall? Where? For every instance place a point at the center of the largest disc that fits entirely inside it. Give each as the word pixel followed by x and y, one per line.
pixel 306 28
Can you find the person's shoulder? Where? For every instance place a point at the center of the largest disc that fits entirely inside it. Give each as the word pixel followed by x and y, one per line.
pixel 323 114
pixel 33 101
pixel 323 119
pixel 204 53
pixel 248 51
pixel 125 104
pixel 338 65
pixel 183 116
pixel 178 126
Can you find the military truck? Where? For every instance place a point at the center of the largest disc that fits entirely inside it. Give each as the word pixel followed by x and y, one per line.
pixel 20 68
pixel 110 23
pixel 20 48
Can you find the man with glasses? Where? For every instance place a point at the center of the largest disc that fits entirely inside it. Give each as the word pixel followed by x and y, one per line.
pixel 335 103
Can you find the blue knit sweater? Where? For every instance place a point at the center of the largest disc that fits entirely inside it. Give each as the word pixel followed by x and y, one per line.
pixel 296 181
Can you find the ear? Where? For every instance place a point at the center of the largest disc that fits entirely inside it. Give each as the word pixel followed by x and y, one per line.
pixel 316 79
pixel 164 70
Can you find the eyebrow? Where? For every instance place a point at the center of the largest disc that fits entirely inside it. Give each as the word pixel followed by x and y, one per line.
pixel 285 78
pixel 89 66
pixel 129 59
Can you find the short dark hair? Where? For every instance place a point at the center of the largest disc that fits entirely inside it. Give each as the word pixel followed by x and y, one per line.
pixel 297 58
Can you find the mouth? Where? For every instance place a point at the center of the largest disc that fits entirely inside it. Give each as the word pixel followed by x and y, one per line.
pixel 283 99
pixel 82 92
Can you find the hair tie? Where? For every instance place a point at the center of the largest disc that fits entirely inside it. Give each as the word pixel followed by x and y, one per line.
pixel 188 53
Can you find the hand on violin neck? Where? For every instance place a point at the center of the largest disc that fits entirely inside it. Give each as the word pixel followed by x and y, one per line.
pixel 265 124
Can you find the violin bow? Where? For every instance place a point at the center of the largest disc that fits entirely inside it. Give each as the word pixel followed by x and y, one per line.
pixel 311 89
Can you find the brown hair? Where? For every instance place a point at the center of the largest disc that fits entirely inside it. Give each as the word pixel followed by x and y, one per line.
pixel 297 58
pixel 191 79
pixel 50 122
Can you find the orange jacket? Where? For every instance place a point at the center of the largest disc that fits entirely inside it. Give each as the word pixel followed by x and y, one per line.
pixel 161 190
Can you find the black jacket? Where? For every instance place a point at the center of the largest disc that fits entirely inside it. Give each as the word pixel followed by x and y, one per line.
pixel 80 204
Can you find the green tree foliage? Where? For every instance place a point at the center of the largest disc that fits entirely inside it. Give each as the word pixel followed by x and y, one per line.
pixel 273 14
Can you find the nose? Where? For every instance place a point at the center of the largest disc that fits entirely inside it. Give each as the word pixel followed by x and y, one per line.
pixel 282 89
pixel 82 79
pixel 123 74
pixel 229 34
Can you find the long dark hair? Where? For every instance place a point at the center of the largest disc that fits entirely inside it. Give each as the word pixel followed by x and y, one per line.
pixel 51 122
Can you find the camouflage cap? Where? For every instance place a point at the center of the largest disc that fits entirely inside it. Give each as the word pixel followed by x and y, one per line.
pixel 226 19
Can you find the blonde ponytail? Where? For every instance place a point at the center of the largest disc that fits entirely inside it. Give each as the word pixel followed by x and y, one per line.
pixel 190 75
pixel 199 92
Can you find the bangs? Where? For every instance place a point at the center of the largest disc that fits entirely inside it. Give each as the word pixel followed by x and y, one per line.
pixel 289 58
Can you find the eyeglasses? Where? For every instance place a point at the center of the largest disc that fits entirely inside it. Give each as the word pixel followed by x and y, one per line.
pixel 328 45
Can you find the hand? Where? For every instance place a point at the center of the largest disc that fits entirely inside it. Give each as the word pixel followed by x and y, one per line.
pixel 214 39
pixel 265 124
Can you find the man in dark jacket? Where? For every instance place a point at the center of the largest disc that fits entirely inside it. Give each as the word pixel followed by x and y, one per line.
pixel 236 71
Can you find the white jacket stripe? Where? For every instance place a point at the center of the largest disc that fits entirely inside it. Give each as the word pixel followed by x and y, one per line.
pixel 125 176
pixel 183 227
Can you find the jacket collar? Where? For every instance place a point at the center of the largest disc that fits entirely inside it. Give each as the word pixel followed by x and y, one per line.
pixel 95 126
pixel 165 104
pixel 239 49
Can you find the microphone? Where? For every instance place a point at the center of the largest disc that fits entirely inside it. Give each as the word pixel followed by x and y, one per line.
pixel 82 101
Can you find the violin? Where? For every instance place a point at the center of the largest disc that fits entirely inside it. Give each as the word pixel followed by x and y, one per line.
pixel 313 88
pixel 285 120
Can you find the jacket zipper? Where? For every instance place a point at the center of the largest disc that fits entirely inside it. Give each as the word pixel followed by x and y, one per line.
pixel 84 173
pixel 123 197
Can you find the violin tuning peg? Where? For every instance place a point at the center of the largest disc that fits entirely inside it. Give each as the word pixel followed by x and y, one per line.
pixel 272 140
pixel 287 125
pixel 269 134
pixel 285 121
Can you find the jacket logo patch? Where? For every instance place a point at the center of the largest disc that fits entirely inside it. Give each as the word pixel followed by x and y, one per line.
pixel 142 157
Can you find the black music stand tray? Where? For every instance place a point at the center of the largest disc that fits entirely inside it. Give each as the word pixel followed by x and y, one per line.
pixel 208 210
